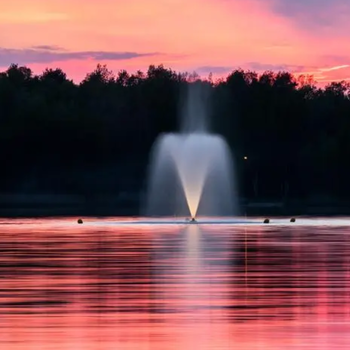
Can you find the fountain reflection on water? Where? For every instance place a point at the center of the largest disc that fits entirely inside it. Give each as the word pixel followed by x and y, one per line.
pixel 196 298
pixel 191 172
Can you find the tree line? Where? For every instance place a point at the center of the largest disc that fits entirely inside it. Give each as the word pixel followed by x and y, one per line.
pixel 289 137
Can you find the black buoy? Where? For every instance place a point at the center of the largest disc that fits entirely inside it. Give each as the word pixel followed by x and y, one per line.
pixel 292 220
pixel 80 221
pixel 266 221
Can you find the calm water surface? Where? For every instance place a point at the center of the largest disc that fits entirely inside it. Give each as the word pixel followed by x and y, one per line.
pixel 166 287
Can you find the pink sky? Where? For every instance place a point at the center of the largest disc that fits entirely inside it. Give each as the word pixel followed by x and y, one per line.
pixel 187 35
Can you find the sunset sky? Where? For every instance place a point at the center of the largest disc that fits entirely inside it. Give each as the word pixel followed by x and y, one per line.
pixel 302 36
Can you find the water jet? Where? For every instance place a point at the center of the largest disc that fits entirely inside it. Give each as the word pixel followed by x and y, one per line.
pixel 191 172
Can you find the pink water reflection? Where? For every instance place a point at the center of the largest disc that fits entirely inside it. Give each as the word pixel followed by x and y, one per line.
pixel 67 286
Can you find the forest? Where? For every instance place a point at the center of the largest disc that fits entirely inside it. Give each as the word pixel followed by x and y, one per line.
pixel 290 137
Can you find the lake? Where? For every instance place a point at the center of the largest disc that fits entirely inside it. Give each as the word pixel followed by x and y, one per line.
pixel 111 284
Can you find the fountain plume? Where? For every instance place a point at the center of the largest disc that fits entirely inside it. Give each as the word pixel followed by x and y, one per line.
pixel 191 171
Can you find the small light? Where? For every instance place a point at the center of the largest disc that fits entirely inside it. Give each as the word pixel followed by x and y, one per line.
pixel 245 157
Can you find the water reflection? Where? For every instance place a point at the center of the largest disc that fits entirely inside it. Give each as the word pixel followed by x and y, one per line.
pixel 173 287
pixel 194 300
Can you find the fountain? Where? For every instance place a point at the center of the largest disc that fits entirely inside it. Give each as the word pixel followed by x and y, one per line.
pixel 191 172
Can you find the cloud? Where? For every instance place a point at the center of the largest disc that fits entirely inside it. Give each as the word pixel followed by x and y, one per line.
pixel 335 59
pixel 323 15
pixel 336 73
pixel 258 66
pixel 213 69
pixel 47 54
pixel 48 48
pixel 291 8
pixel 329 69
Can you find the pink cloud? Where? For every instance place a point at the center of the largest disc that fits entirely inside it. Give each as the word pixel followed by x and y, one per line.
pixel 190 33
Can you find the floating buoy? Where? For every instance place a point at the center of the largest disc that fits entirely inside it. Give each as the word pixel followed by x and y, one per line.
pixel 80 221
pixel 266 221
pixel 292 220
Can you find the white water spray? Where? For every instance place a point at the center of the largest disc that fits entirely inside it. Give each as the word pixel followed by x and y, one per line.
pixel 191 172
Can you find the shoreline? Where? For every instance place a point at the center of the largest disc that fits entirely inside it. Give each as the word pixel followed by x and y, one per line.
pixel 67 205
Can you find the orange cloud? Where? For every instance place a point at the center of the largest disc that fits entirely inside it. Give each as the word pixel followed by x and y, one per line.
pixel 333 68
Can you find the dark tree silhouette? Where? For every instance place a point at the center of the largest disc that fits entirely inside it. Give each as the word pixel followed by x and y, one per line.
pixel 95 137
